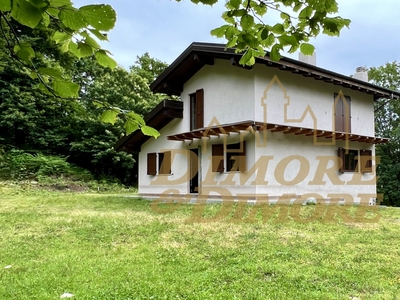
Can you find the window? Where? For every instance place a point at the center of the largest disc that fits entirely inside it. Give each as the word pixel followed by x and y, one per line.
pixel 342 113
pixel 233 160
pixel 164 163
pixel 197 110
pixel 349 160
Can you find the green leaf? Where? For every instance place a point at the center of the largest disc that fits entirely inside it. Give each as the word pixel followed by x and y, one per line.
pixel 98 104
pixel 247 58
pixel 59 3
pixel 306 13
pixel 53 11
pixel 250 40
pixel 104 60
pixel 228 19
pixel 237 13
pixel 73 48
pixel 287 40
pixel 50 71
pixel 72 18
pixel 150 131
pixel 60 37
pixel 84 49
pixel 246 22
pixel 99 35
pixel 330 27
pixel 234 4
pixel 44 89
pixel 90 41
pixel 269 41
pixel 26 13
pixel 109 116
pixel 278 29
pixel 130 126
pixel 260 9
pixel 297 7
pixel 65 46
pixel 275 55
pixel 40 3
pixel 65 89
pixel 264 33
pixel 5 5
pixel 24 52
pixel 220 31
pixel 136 117
pixel 285 16
pixel 230 32
pixel 45 20
pixel 100 16
pixel 307 49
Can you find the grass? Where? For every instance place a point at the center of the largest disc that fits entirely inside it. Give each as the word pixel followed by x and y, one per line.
pixel 111 247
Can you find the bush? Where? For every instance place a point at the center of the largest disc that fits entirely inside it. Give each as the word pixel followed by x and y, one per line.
pixel 20 165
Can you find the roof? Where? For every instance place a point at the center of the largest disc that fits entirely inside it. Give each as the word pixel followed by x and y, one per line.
pixel 161 115
pixel 197 55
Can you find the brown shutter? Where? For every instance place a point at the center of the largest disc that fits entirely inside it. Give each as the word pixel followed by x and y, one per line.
pixel 242 158
pixel 366 161
pixel 339 124
pixel 218 158
pixel 165 167
pixel 151 163
pixel 199 109
pixel 347 115
pixel 341 159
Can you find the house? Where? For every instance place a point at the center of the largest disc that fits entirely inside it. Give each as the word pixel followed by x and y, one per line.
pixel 285 129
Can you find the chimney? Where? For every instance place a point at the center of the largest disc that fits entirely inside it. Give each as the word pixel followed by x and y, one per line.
pixel 308 59
pixel 361 74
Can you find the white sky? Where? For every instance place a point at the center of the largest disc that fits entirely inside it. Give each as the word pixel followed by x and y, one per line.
pixel 165 28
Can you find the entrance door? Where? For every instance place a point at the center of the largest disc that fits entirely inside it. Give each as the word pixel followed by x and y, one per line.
pixel 194 172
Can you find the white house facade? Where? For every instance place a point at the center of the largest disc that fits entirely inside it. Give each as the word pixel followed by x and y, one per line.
pixel 278 130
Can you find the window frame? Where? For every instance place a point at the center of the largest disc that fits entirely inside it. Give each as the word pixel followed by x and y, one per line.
pixel 229 158
pixel 362 161
pixel 159 163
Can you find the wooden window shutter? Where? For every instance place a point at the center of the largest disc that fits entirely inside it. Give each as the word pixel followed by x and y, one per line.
pixel 341 153
pixel 339 124
pixel 366 161
pixel 199 108
pixel 165 166
pixel 217 158
pixel 242 158
pixel 347 115
pixel 151 163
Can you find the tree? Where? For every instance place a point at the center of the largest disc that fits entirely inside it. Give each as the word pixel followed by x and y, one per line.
pixel 300 20
pixel 93 145
pixel 387 120
pixel 148 67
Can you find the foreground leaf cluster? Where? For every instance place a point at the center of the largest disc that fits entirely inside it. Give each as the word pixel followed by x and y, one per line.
pixel 77 30
pixel 254 26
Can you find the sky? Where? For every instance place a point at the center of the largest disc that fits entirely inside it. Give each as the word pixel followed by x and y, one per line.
pixel 165 28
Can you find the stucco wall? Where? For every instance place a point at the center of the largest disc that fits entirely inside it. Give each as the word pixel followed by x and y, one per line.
pixel 309 102
pixel 228 93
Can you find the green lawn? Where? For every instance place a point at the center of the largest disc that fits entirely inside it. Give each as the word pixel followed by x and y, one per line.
pixel 110 247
